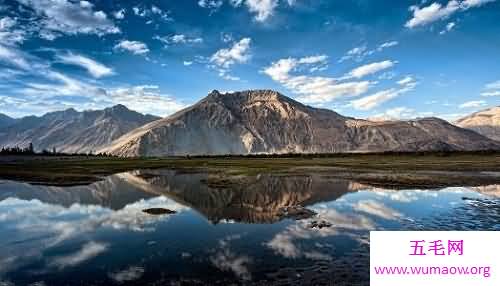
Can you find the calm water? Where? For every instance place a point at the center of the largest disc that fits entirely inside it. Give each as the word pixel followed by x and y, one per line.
pixel 223 232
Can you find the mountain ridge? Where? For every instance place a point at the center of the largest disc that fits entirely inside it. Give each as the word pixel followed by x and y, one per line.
pixel 265 121
pixel 6 120
pixel 71 131
pixel 485 122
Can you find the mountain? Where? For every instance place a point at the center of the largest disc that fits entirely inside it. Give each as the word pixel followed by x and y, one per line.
pixel 72 131
pixel 264 121
pixel 6 120
pixel 485 122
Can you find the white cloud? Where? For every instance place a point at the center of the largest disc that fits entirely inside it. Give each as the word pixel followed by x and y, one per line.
pixel 179 39
pixel 142 98
pixel 375 99
pixel 472 104
pixel 187 63
pixel 377 209
pixel 145 99
pixel 262 8
pixel 361 52
pixel 238 53
pixel 87 252
pixel 226 260
pixel 210 4
pixel 151 12
pixel 436 11
pixel 95 69
pixel 13 57
pixel 448 28
pixel 236 3
pixel 368 102
pixel 139 12
pixel 491 93
pixel 120 14
pixel 69 18
pixel 130 274
pixel 135 47
pixel 493 85
pixel 387 45
pixel 312 89
pixel 9 34
pixel 395 113
pixel 406 80
pixel 475 3
pixel 369 69
pixel 357 53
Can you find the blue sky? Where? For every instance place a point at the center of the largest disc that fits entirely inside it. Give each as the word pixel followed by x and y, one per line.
pixel 368 59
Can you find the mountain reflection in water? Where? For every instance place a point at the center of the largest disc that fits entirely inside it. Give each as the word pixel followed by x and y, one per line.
pixel 225 229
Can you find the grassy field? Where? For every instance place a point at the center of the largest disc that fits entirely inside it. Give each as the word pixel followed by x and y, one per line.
pixel 416 169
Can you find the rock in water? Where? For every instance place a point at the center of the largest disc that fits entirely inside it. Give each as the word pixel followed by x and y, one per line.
pixel 158 211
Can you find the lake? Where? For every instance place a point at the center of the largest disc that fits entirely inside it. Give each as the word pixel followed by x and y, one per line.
pixel 269 229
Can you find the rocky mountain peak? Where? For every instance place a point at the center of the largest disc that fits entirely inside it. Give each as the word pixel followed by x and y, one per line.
pixel 485 122
pixel 265 121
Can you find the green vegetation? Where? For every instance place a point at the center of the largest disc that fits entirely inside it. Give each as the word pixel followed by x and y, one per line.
pixel 396 169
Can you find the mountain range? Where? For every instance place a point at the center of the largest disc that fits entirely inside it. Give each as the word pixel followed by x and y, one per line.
pixel 247 122
pixel 485 122
pixel 6 120
pixel 71 131
pixel 265 121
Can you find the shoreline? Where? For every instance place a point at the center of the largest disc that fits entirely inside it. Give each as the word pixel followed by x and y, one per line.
pixel 396 170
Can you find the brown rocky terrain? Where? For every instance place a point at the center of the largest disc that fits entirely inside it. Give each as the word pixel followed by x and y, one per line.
pixel 485 122
pixel 71 131
pixel 264 121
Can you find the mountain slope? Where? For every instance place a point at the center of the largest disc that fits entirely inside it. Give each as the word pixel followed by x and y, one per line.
pixel 265 121
pixel 485 122
pixel 6 120
pixel 72 131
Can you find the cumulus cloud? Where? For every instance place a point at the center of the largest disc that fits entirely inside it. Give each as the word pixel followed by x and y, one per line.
pixel 64 17
pixel 224 59
pixel 435 11
pixel 226 260
pixel 94 68
pixel 9 34
pixel 262 8
pixel 45 96
pixel 120 14
pixel 473 104
pixel 371 101
pixel 151 13
pixel 287 243
pixel 135 47
pixel 312 89
pixel 213 5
